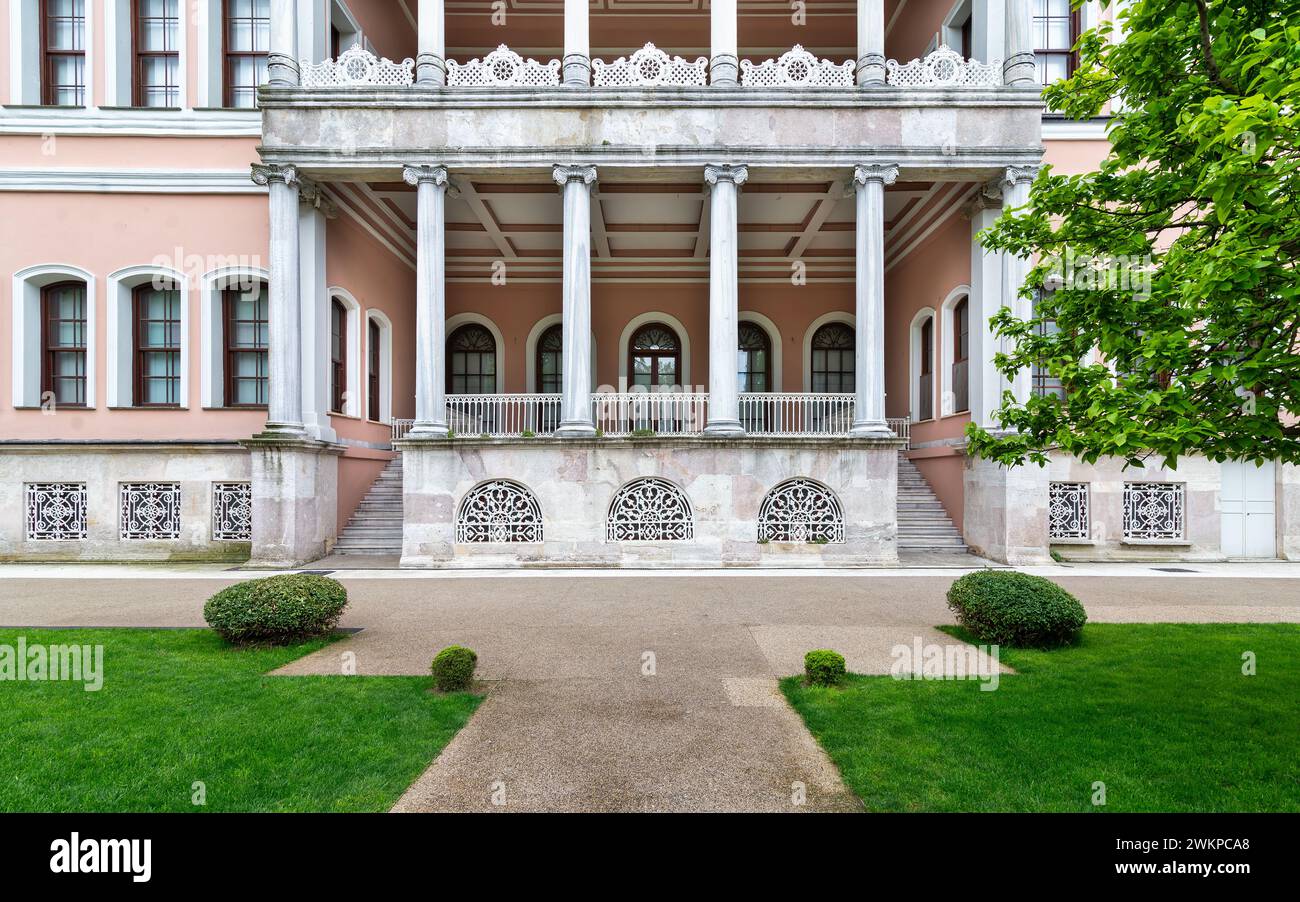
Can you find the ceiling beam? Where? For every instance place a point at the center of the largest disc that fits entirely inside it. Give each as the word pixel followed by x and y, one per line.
pixel 470 195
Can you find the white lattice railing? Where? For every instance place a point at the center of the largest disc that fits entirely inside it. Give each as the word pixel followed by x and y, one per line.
pixel 650 67
pixel 357 66
pixel 796 68
pixel 503 416
pixel 795 414
pixel 944 68
pixel 658 413
pixel 902 428
pixel 503 68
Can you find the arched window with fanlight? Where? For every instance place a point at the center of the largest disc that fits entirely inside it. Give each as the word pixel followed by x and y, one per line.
pixel 961 356
pixel 471 361
pixel 833 359
pixel 754 358
pixel 549 363
pixel 654 357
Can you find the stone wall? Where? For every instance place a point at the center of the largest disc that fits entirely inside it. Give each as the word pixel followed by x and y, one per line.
pixel 103 468
pixel 574 482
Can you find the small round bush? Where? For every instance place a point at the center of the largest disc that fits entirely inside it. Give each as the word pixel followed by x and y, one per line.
pixel 276 610
pixel 1007 608
pixel 823 667
pixel 453 668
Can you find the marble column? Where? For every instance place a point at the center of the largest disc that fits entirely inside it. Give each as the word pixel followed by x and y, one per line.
pixel 282 44
pixel 430 60
pixel 724 63
pixel 869 404
pixel 1015 195
pixel 1020 67
pixel 284 409
pixel 871 42
pixel 575 418
pixel 430 300
pixel 577 44
pixel 724 294
pixel 314 212
pixel 986 383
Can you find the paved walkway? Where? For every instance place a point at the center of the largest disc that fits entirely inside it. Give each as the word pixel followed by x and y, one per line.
pixel 628 692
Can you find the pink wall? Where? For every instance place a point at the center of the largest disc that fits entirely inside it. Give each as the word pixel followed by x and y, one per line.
pixel 386 27
pixel 1075 157
pixel 128 152
pixel 912 31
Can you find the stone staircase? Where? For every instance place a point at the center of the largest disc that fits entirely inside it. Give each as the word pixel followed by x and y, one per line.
pixel 376 524
pixel 923 524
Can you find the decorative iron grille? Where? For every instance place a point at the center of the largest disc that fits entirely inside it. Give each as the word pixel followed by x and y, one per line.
pixel 499 511
pixel 800 510
pixel 1154 511
pixel 150 510
pixel 650 510
pixel 1067 510
pixel 56 510
pixel 232 511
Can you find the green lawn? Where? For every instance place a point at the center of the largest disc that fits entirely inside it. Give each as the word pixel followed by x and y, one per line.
pixel 1161 713
pixel 179 706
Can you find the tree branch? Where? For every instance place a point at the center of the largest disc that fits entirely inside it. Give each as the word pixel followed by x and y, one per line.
pixel 1207 52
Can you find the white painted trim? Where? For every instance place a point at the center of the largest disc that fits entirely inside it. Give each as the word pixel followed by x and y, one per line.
pixel 26 295
pixel 352 391
pixel 530 351
pixel 130 181
pixel 211 366
pixel 16 61
pixel 119 336
pixel 637 322
pixel 1056 129
pixel 774 337
pixel 92 56
pixel 835 316
pixel 385 364
pixel 461 319
pixel 188 123
pixel 945 335
pixel 914 364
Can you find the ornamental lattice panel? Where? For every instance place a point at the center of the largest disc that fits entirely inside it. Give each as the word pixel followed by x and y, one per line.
pixel 944 68
pixel 1154 511
pixel 796 68
pixel 150 510
pixel 503 68
pixel 56 510
pixel 650 510
pixel 232 511
pixel 1067 510
pixel 357 66
pixel 499 511
pixel 800 510
pixel 650 67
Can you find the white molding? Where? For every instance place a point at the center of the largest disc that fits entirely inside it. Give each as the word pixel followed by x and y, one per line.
pixel 946 335
pixel 530 351
pixel 354 358
pixel 1056 129
pixel 774 337
pixel 186 123
pixel 637 322
pixel 211 366
pixel 119 335
pixel 130 181
pixel 26 295
pixel 914 364
pixel 385 364
pixel 461 319
pixel 835 316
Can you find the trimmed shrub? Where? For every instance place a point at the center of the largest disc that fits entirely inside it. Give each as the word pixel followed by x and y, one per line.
pixel 1007 608
pixel 823 667
pixel 276 610
pixel 453 668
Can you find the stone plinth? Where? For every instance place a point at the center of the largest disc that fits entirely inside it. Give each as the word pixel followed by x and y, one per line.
pixel 295 499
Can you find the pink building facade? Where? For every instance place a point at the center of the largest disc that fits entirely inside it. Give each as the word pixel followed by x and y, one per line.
pixel 541 283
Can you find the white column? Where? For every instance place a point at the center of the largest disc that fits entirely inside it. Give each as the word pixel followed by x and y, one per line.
pixel 724 293
pixel 724 64
pixel 313 213
pixel 1015 194
pixel 1020 67
pixel 988 30
pixel 430 61
pixel 282 46
pixel 986 383
pixel 284 411
pixel 577 44
pixel 430 300
pixel 869 353
pixel 575 420
pixel 871 42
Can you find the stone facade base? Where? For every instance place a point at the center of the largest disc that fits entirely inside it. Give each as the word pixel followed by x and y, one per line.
pixel 123 501
pixel 1005 511
pixel 295 499
pixel 454 495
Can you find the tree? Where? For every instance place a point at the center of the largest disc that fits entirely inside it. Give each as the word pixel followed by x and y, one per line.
pixel 1168 300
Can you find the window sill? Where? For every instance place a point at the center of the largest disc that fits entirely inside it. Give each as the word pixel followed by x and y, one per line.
pixel 148 407
pixel 1071 541
pixel 240 409
pixel 1173 542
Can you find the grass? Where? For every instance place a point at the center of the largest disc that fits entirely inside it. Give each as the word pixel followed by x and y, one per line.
pixel 180 706
pixel 1160 713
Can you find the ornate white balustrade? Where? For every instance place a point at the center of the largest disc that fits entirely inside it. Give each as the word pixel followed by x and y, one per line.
pixel 944 68
pixel 503 68
pixel 657 413
pixel 650 67
pixel 796 68
pixel 795 414
pixel 357 66
pixel 503 416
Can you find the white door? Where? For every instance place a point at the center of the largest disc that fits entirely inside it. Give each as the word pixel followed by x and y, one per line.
pixel 1247 499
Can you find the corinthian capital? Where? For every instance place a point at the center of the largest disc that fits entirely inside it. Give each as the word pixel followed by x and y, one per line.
pixel 885 173
pixel 579 173
pixel 265 173
pixel 720 172
pixel 420 173
pixel 312 194
pixel 1020 175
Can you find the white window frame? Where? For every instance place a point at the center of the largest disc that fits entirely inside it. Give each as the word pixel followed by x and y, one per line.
pixel 379 318
pixel 120 344
pixel 352 394
pixel 914 365
pixel 530 351
pixel 25 54
pixel 774 339
pixel 26 322
pixel 835 316
pixel 212 365
pixel 948 331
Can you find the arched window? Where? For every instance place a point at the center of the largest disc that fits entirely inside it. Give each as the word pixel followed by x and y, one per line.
pixel 246 337
pixel 654 357
pixel 63 343
pixel 374 353
pixel 471 361
pixel 961 356
pixel 832 359
pixel 925 372
pixel 650 510
pixel 800 510
pixel 338 355
pixel 754 358
pixel 499 511
pixel 156 368
pixel 550 368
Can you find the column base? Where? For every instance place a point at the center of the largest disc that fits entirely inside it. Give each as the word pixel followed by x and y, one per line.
pixel 1005 512
pixel 871 69
pixel 724 428
pixel 295 499
pixel 282 70
pixel 724 71
pixel 576 429
pixel 871 429
pixel 577 71
pixel 430 70
pixel 428 430
pixel 285 430
pixel 1020 69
